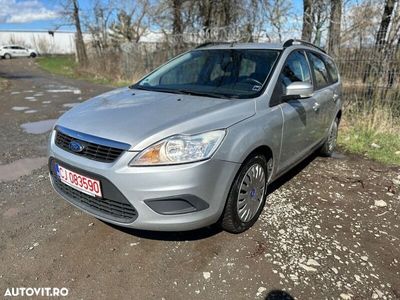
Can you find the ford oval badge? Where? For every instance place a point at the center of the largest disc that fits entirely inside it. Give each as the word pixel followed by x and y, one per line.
pixel 75 146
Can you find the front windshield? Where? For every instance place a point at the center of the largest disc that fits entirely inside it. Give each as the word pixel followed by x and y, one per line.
pixel 225 73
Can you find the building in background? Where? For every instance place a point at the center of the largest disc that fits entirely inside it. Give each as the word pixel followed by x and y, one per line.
pixel 45 42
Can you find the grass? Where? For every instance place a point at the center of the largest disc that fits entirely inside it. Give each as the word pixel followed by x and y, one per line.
pixel 372 132
pixel 379 146
pixel 66 66
pixel 61 65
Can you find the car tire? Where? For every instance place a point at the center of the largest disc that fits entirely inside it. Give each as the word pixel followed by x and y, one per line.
pixel 7 56
pixel 249 189
pixel 32 55
pixel 329 146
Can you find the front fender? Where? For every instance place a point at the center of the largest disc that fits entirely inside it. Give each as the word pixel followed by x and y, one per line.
pixel 262 129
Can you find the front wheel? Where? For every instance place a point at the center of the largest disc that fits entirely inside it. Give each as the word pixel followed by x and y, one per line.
pixel 330 144
pixel 33 55
pixel 7 56
pixel 247 196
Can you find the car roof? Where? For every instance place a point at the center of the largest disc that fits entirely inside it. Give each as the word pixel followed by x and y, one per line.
pixel 299 44
pixel 233 45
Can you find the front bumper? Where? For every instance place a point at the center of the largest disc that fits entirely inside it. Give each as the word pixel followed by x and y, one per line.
pixel 150 190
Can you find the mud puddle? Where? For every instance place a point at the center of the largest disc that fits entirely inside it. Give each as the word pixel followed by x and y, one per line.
pixel 38 127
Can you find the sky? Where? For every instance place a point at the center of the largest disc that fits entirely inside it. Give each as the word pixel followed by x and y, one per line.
pixel 32 14
pixel 44 14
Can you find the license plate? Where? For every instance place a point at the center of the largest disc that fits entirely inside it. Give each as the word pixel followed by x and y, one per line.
pixel 79 182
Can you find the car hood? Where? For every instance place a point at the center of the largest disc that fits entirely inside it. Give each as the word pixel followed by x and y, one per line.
pixel 141 118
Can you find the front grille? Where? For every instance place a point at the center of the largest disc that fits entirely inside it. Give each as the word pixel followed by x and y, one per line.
pixel 113 205
pixel 92 151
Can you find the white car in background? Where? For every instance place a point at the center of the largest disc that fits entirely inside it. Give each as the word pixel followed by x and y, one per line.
pixel 12 51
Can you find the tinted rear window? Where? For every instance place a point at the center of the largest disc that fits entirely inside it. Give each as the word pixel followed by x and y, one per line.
pixel 320 71
pixel 332 70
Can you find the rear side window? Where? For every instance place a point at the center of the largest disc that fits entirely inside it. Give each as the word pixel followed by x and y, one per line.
pixel 332 70
pixel 320 71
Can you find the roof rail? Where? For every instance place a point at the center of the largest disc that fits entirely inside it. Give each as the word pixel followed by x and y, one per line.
pixel 213 43
pixel 292 42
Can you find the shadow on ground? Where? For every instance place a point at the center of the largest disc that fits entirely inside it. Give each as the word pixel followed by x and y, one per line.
pixel 278 295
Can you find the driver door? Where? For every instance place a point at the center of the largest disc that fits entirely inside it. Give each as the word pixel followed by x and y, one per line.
pixel 299 119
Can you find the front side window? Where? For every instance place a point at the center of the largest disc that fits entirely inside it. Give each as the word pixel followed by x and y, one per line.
pixel 320 71
pixel 295 69
pixel 226 73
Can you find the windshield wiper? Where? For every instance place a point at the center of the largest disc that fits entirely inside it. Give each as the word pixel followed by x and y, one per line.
pixel 206 94
pixel 139 87
pixel 183 91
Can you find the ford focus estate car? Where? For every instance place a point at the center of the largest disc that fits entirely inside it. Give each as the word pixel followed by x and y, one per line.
pixel 197 141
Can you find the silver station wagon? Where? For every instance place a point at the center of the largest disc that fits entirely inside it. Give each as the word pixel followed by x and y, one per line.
pixel 197 141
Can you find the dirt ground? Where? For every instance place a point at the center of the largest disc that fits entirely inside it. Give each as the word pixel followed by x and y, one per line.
pixel 329 230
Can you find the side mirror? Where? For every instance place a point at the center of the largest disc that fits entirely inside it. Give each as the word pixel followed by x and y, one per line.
pixel 299 89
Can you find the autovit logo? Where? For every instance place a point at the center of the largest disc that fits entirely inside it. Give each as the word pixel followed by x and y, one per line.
pixel 40 291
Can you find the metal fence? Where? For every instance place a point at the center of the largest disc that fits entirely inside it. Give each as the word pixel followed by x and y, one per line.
pixel 370 76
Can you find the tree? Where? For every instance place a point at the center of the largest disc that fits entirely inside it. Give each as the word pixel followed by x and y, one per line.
pixel 177 26
pixel 70 12
pixel 177 23
pixel 307 20
pixel 320 18
pixel 334 28
pixel 277 12
pixel 98 23
pixel 221 17
pixel 358 26
pixel 131 23
pixel 385 22
pixel 79 43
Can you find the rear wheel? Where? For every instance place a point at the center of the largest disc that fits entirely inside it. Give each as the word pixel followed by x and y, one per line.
pixel 330 144
pixel 247 196
pixel 7 56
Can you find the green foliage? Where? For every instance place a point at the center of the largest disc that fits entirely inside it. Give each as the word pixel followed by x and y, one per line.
pixel 62 65
pixel 66 66
pixel 379 146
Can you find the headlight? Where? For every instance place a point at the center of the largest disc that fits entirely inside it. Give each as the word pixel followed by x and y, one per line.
pixel 180 149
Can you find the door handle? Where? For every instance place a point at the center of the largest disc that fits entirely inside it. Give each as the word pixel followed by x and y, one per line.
pixel 335 97
pixel 316 106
